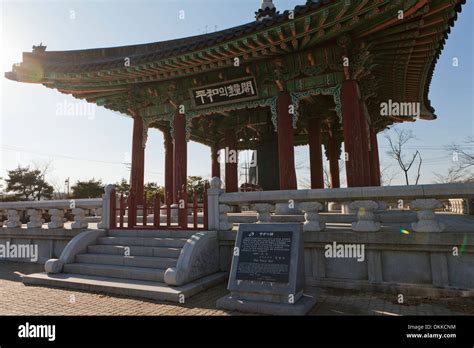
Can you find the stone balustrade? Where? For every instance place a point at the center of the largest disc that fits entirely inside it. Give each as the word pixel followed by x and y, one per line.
pixel 55 208
pixel 403 245
pixel 367 202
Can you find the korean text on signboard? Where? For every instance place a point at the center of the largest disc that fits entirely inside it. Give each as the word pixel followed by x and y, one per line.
pixel 225 93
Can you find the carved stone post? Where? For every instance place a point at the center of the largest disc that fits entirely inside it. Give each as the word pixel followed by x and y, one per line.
pixel 13 219
pixel 313 221
pixel 224 224
pixel 213 203
pixel 427 221
pixel 79 218
pixel 57 218
pixel 35 218
pixel 104 223
pixel 264 210
pixel 365 214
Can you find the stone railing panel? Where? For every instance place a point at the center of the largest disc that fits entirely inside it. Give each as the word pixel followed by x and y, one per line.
pixel 13 219
pixel 365 214
pixel 79 218
pixel 264 212
pixel 57 218
pixel 427 221
pixel 313 221
pixel 36 219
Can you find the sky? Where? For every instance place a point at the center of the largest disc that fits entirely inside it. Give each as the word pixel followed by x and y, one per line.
pixel 97 143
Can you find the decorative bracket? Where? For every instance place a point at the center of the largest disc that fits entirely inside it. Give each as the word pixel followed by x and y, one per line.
pixel 334 91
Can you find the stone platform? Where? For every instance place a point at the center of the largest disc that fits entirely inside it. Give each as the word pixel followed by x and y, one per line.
pixel 302 307
pixel 160 264
pixel 125 287
pixel 16 298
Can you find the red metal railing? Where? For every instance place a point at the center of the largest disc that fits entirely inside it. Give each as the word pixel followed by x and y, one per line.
pixel 125 215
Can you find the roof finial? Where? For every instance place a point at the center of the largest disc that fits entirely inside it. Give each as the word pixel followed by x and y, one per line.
pixel 39 48
pixel 267 10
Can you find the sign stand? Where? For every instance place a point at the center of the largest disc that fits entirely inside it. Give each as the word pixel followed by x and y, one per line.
pixel 267 273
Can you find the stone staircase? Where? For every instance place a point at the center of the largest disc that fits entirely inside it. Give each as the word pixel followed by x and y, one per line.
pixel 131 263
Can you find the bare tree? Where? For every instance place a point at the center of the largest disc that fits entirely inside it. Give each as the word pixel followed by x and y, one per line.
pixel 454 175
pixel 461 155
pixel 327 176
pixel 304 183
pixel 402 137
pixel 302 165
pixel 58 189
pixel 44 168
pixel 386 176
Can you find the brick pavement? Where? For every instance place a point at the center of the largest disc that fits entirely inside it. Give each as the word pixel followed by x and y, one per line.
pixel 18 299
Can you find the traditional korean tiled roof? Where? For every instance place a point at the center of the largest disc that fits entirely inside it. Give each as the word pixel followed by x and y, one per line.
pixel 404 52
pixel 113 57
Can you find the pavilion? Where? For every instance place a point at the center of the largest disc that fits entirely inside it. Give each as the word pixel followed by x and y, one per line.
pixel 316 75
pixel 329 72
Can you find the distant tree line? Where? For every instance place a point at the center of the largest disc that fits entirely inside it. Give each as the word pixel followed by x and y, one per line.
pixel 26 184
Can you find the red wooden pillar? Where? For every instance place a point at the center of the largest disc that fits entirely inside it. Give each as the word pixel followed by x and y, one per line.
pixel 353 133
pixel 216 166
pixel 365 146
pixel 231 162
pixel 286 151
pixel 169 153
pixel 138 159
pixel 374 158
pixel 315 153
pixel 180 157
pixel 334 149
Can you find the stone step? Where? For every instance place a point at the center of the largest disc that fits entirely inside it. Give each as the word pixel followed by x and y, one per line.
pixel 148 242
pixel 134 250
pixel 157 291
pixel 151 233
pixel 132 261
pixel 122 272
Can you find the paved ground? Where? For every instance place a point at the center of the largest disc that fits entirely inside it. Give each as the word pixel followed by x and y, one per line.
pixel 18 299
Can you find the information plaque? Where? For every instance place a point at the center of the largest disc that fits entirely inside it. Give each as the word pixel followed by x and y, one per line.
pixel 265 256
pixel 267 272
